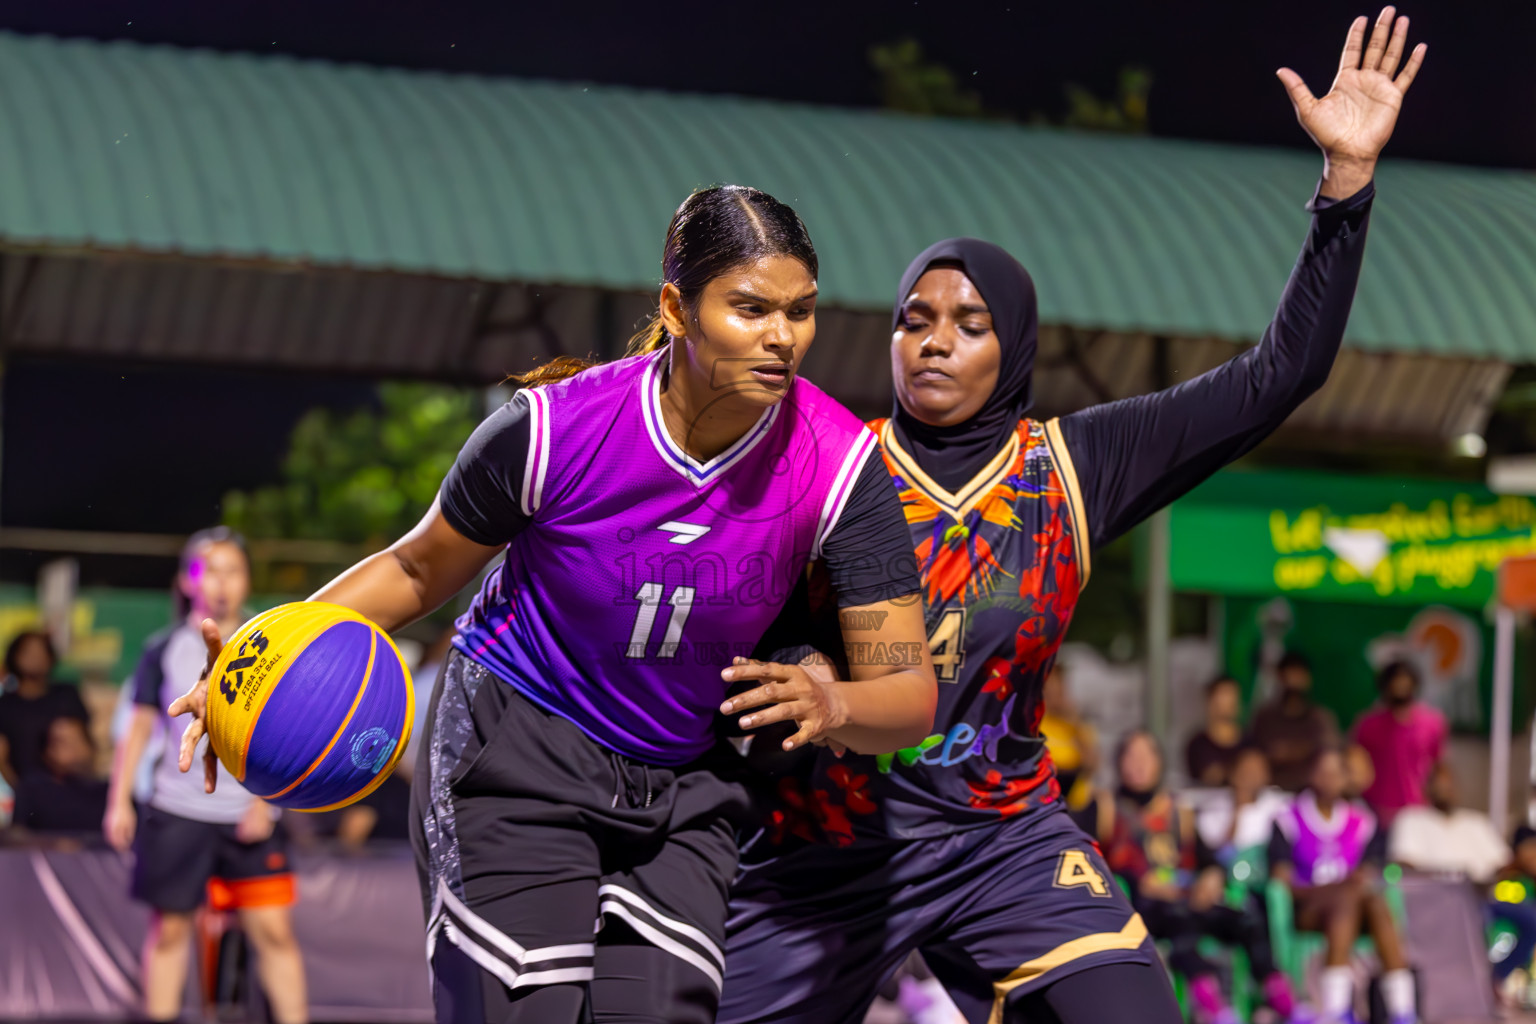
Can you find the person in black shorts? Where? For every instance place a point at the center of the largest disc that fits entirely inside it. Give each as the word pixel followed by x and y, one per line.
pixel 574 807
pixel 192 847
pixel 959 847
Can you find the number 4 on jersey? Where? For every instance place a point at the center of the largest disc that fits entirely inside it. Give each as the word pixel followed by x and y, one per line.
pixel 1074 868
pixel 947 645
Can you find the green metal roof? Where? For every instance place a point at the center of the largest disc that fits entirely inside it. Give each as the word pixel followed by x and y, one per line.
pixel 124 147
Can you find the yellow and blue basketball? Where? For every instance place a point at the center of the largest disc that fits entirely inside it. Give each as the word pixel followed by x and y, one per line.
pixel 309 706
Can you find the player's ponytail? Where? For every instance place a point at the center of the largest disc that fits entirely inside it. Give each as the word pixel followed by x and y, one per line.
pixel 713 232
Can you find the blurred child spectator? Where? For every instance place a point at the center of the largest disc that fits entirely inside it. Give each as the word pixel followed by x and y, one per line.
pixel 1238 822
pixel 1210 752
pixel 64 795
pixel 1291 729
pixel 1405 738
pixel 1329 851
pixel 1176 886
pixel 1072 742
pixel 30 701
pixel 1445 838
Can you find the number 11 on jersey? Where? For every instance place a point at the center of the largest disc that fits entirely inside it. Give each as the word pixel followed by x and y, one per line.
pixel 649 596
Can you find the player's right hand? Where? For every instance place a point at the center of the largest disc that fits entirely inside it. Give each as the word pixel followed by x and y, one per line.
pixel 792 693
pixel 195 703
pixel 119 825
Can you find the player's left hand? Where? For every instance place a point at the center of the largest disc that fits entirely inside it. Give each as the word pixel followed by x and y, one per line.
pixel 792 693
pixel 1352 123
pixel 257 823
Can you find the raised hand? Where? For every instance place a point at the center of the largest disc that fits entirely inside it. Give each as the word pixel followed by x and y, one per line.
pixel 1352 123
pixel 195 703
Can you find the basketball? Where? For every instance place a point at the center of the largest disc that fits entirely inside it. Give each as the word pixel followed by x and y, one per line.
pixel 309 706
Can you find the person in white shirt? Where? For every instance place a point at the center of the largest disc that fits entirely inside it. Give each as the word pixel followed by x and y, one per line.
pixel 1446 839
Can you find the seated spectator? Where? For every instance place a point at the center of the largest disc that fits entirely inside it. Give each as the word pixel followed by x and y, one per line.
pixel 1239 820
pixel 1151 842
pixel 29 702
pixel 1209 755
pixel 1329 852
pixel 1359 772
pixel 64 795
pixel 1291 729
pixel 1405 738
pixel 1445 838
pixel 1072 741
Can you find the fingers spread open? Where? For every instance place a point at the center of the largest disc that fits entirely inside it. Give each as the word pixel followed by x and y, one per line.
pixel 1394 54
pixel 214 641
pixel 768 693
pixel 1353 44
pixel 1301 96
pixel 189 738
pixel 1378 43
pixel 210 770
pixel 777 713
pixel 1415 59
pixel 801 738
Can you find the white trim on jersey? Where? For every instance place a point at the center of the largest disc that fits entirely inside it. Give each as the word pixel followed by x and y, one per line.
pixel 538 450
pixel 842 487
pixel 691 469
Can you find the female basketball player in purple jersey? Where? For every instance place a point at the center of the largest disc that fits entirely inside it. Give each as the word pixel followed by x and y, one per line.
pixel 574 808
pixel 959 846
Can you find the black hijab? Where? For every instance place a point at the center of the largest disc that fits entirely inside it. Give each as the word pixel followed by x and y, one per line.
pixel 953 455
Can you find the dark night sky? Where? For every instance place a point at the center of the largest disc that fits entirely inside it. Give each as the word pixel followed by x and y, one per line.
pixel 1212 64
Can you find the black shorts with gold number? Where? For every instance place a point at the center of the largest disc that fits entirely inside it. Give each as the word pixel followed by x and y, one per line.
pixel 995 911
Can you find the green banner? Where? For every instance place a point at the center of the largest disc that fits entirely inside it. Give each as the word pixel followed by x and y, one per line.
pixel 1338 538
pixel 1347 643
pixel 108 626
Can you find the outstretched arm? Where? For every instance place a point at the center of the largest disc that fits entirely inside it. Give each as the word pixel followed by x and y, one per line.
pixel 1139 454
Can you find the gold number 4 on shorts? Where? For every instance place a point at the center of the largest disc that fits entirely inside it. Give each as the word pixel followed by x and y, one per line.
pixel 1074 868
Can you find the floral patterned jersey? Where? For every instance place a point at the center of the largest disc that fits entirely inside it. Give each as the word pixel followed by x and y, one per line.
pixel 1002 564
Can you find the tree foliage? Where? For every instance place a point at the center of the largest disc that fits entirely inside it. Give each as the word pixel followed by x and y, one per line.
pixel 362 477
pixel 911 82
pixel 1126 112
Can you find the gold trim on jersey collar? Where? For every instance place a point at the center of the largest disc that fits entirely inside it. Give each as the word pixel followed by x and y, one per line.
pixel 957 506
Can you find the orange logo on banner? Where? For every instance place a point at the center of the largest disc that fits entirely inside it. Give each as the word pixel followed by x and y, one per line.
pixel 1517 584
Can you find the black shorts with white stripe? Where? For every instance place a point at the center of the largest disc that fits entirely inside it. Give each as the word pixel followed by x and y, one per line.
pixel 549 862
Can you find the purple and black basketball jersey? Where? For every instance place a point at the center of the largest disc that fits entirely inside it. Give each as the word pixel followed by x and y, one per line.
pixel 642 571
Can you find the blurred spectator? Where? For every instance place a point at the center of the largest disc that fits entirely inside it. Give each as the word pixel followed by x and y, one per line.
pixel 1359 772
pixel 184 837
pixel 64 795
pixel 1209 755
pixel 1238 822
pixel 1405 738
pixel 30 701
pixel 1329 851
pixel 1445 838
pixel 1072 742
pixel 1176 886
pixel 1291 729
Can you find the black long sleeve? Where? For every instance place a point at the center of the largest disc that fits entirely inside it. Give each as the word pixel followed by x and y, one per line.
pixel 1136 455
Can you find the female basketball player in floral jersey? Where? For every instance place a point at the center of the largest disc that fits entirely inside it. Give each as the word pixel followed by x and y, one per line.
pixel 655 513
pixel 959 846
